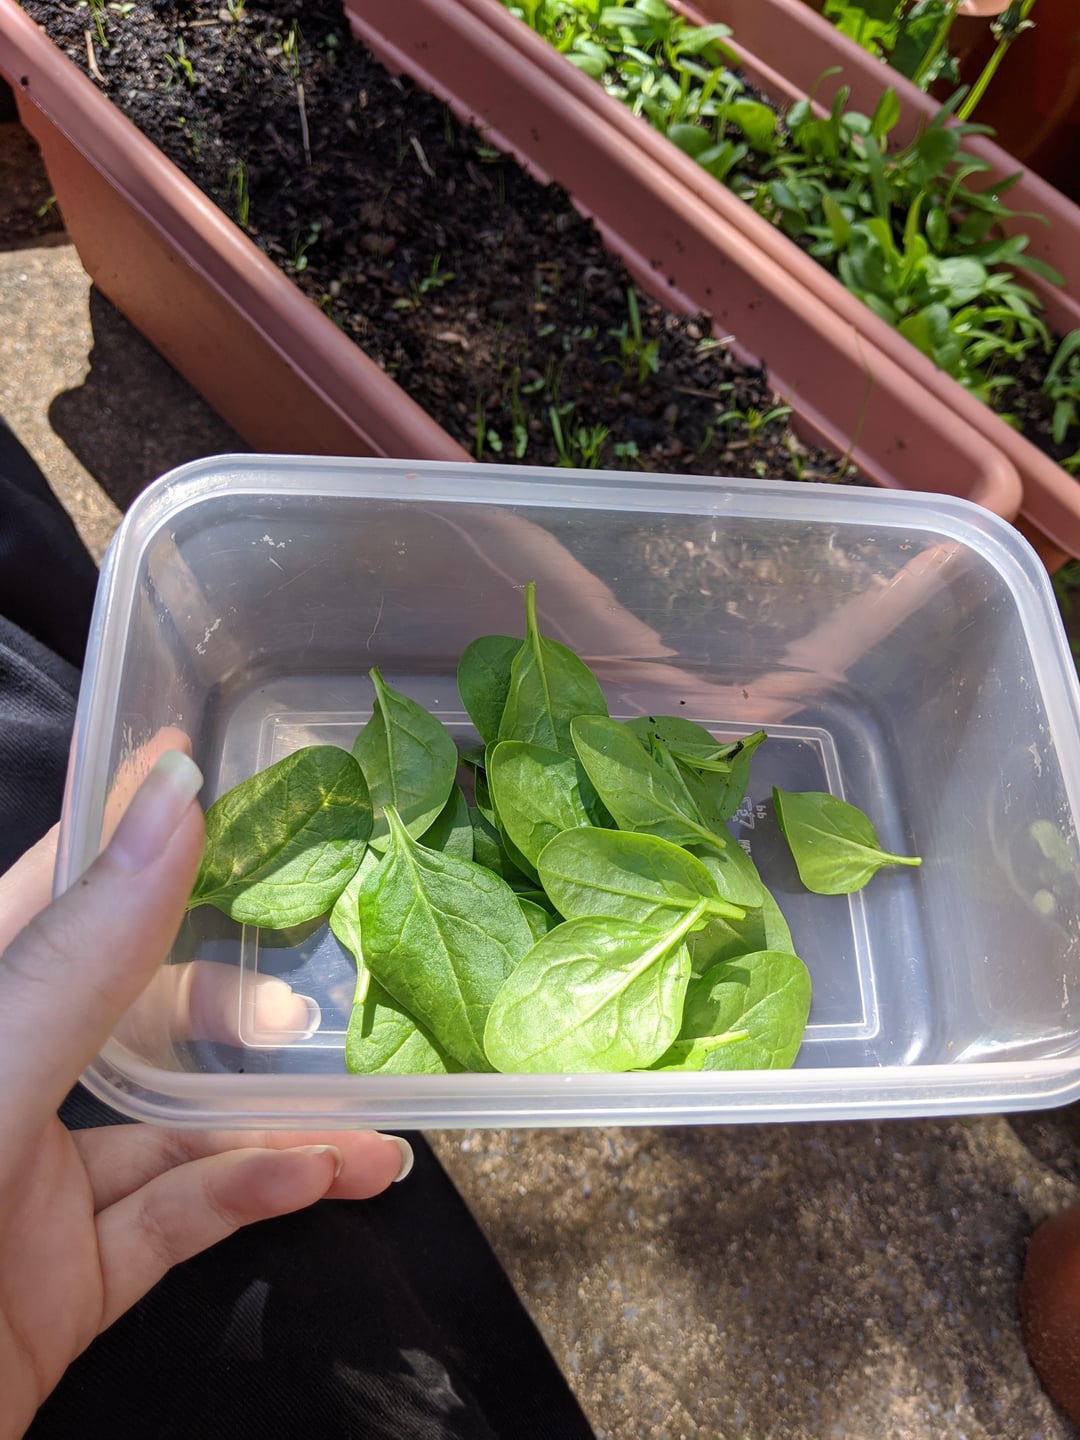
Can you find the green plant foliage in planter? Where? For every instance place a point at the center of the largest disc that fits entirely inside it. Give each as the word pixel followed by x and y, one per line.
pixel 902 228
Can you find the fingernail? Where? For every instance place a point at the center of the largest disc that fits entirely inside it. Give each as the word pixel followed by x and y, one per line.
pixel 314 1016
pixel 160 803
pixel 339 1158
pixel 405 1150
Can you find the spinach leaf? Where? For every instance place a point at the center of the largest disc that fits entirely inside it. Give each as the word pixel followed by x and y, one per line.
pixel 539 918
pixel 489 851
pixel 549 686
pixel 834 845
pixel 676 733
pixel 640 794
pixel 483 679
pixel 345 921
pixel 716 772
pixel 537 794
pixel 409 761
pixel 735 874
pixel 763 929
pixel 440 935
pixel 725 790
pixel 282 845
pixel 482 796
pixel 384 1039
pixel 593 994
pixel 627 876
pixel 746 1014
pixel 451 831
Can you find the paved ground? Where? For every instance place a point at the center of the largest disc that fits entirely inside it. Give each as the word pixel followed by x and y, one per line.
pixel 780 1283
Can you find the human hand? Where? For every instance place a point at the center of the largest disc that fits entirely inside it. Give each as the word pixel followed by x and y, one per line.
pixel 90 1220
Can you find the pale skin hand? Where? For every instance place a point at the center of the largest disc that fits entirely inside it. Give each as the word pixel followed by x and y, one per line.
pixel 90 1220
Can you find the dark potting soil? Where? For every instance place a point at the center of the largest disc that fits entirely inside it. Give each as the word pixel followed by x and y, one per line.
pixel 484 294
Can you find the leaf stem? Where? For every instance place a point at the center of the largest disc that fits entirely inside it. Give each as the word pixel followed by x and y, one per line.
pixel 978 90
pixel 936 45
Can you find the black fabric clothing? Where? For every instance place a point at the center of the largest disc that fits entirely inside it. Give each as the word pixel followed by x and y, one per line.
pixel 47 576
pixel 382 1318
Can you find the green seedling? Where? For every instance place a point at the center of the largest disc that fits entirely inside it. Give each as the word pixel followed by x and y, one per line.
pixel 912 230
pixel 238 184
pixel 751 420
pixel 637 356
pixel 180 67
pixel 435 279
pixel 302 244
pixel 1062 387
pixel 578 446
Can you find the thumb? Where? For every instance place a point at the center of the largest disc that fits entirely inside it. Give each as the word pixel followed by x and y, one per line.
pixel 69 976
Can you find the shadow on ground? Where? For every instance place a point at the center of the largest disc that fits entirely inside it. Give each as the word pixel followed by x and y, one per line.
pixel 133 417
pixel 831 1280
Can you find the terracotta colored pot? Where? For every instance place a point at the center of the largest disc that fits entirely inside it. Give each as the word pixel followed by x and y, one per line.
pixel 499 75
pixel 502 76
pixel 266 358
pixel 1049 1301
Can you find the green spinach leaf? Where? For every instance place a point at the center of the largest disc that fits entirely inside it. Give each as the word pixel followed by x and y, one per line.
pixel 452 831
pixel 745 1014
pixel 549 686
pixel 833 844
pixel 592 995
pixel 763 929
pixel 384 1039
pixel 640 794
pixel 408 759
pixel 489 851
pixel 539 918
pixel 735 874
pixel 345 922
pixel 537 793
pixel 592 872
pixel 483 679
pixel 440 935
pixel 716 772
pixel 282 845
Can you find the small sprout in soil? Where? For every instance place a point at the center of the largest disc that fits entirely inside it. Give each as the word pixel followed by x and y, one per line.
pixel 636 354
pixel 180 67
pixel 236 10
pixel 97 12
pixel 302 244
pixel 796 455
pixel 435 279
pixel 238 185
pixel 751 420
pixel 1062 387
pixel 289 45
pixel 579 446
pixel 519 425
pixel 44 209
pixel 123 10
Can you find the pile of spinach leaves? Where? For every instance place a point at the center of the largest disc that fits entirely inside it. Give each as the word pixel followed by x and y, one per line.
pixel 590 910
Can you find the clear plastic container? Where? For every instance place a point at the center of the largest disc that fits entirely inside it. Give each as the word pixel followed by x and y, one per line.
pixel 903 651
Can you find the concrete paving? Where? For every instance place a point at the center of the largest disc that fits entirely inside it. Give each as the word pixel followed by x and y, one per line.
pixel 759 1283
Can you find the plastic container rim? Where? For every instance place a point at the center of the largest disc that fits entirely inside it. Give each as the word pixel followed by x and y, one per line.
pixel 837 1093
